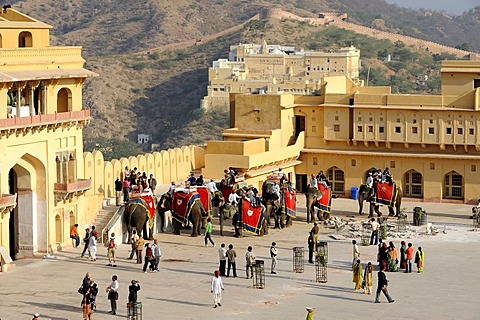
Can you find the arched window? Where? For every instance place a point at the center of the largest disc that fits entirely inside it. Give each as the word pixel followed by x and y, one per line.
pixel 413 186
pixel 64 100
pixel 453 186
pixel 25 39
pixel 58 229
pixel 336 177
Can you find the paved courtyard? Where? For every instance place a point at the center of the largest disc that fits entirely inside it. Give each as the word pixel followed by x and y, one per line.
pixel 447 289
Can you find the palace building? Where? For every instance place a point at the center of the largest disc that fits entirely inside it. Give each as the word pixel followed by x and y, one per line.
pixel 276 69
pixel 42 183
pixel 431 143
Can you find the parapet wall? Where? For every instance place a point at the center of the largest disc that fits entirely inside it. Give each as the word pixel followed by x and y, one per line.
pixel 166 166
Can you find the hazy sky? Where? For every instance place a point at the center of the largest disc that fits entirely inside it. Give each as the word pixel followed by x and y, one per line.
pixel 450 6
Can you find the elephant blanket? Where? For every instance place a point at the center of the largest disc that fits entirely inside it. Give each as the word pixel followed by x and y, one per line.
pixel 386 194
pixel 226 191
pixel 325 202
pixel 182 204
pixel 150 202
pixel 251 218
pixel 204 198
pixel 289 203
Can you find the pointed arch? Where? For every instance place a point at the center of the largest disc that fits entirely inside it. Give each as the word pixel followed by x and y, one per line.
pixel 453 186
pixel 413 184
pixel 336 177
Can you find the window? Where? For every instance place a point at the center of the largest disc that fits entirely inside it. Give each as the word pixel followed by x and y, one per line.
pixel 398 130
pixel 381 129
pixel 315 161
pixel 414 130
pixel 359 118
pixel 370 119
pixel 473 168
pixel 431 130
pixel 413 184
pixel 432 166
pixel 381 119
pixel 336 127
pixel 460 130
pixel 314 129
pixel 449 131
pixel 370 128
pixel 430 121
pixel 257 119
pixel 360 129
pixel 471 131
pixel 453 186
pixel 476 83
pixel 353 163
pixel 336 118
pixel 392 164
pixel 414 121
pixel 398 120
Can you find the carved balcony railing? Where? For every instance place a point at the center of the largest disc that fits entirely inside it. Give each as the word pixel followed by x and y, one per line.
pixel 65 191
pixel 7 203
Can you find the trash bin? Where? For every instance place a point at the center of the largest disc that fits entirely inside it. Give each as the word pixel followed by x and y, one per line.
pixel 354 193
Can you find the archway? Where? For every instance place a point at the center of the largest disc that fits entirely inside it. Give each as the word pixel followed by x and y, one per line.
pixel 64 100
pixel 413 184
pixel 25 39
pixel 336 177
pixel 28 220
pixel 453 186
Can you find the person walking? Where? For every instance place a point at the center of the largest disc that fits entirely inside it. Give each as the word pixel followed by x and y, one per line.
pixel 231 255
pixel 133 289
pixel 112 246
pixel 419 259
pixel 74 234
pixel 157 254
pixel 85 243
pixel 149 258
pixel 134 242
pixel 409 253
pixel 374 237
pixel 217 287
pixel 87 306
pixel 273 255
pixel 382 287
pixel 356 252
pixel 357 275
pixel 368 279
pixel 208 232
pixel 315 232
pixel 112 290
pixel 403 255
pixel 92 246
pixel 249 262
pixel 311 246
pixel 118 191
pixel 140 245
pixel 222 255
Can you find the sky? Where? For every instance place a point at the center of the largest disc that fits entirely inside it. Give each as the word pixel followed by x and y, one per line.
pixel 456 7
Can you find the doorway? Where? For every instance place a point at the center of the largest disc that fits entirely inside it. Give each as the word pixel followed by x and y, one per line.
pixel 299 125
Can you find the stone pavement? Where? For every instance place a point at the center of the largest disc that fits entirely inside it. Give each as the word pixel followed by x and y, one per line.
pixel 447 289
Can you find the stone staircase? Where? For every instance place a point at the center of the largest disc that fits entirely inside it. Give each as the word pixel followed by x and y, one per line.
pixel 103 217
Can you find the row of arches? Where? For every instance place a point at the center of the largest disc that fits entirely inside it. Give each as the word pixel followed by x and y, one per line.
pixel 412 183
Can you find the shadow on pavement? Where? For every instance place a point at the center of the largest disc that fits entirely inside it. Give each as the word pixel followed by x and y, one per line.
pixel 189 303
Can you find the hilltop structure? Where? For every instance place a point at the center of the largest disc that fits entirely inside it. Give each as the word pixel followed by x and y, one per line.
pixel 431 143
pixel 276 69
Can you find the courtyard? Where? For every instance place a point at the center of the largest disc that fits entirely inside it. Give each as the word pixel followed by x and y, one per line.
pixel 447 289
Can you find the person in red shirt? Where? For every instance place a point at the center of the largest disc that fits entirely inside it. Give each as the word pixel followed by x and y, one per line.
pixel 409 253
pixel 74 234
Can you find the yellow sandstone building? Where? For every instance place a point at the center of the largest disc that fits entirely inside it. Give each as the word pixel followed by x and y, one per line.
pixel 431 143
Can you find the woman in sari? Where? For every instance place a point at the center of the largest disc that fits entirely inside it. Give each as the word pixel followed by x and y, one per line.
pixel 392 258
pixel 357 275
pixel 403 255
pixel 419 259
pixel 383 256
pixel 368 279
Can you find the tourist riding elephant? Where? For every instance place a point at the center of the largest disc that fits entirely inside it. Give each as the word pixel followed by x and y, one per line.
pixel 273 208
pixel 136 216
pixel 374 208
pixel 313 195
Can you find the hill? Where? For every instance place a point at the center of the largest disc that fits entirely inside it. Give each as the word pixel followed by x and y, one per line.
pixel 158 92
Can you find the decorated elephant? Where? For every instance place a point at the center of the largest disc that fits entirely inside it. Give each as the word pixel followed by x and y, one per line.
pixel 273 207
pixel 164 205
pixel 136 217
pixel 249 218
pixel 394 202
pixel 187 207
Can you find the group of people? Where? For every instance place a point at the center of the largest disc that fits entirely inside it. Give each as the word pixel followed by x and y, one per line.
pixel 152 252
pixel 89 241
pixel 133 181
pixel 320 178
pixel 89 292
pixel 377 176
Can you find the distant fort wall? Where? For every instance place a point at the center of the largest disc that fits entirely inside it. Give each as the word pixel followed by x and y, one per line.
pixel 166 166
pixel 339 20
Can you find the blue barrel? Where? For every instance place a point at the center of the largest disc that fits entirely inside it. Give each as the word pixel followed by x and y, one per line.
pixel 354 193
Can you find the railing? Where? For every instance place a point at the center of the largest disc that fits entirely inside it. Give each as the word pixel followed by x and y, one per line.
pixel 79 185
pixel 57 54
pixel 44 119
pixel 8 200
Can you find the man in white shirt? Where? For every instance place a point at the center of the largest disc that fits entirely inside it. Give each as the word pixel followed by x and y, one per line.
pixel 211 186
pixel 280 173
pixel 276 189
pixel 374 237
pixel 156 254
pixel 313 182
pixel 356 252
pixel 233 198
pixel 112 290
pixel 171 190
pixel 217 287
pixel 273 255
pixel 222 255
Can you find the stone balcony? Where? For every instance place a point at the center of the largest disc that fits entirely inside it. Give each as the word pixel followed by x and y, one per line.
pixel 7 203
pixel 24 125
pixel 47 55
pixel 65 191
